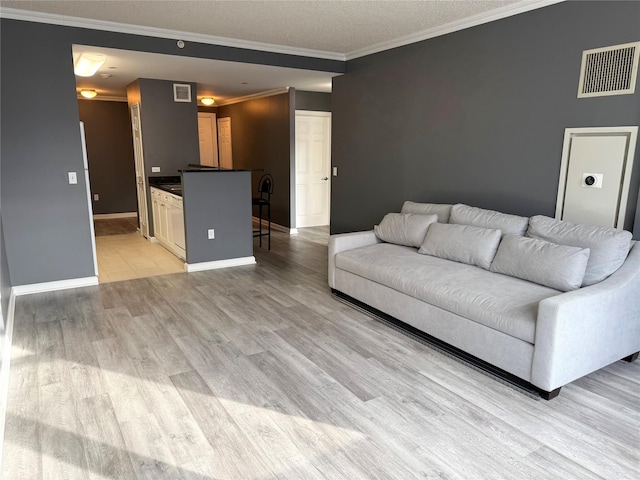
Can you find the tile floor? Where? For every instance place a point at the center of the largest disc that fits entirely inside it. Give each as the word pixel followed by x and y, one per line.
pixel 123 257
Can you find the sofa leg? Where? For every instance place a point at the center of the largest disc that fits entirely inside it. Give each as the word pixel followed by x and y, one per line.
pixel 631 358
pixel 550 395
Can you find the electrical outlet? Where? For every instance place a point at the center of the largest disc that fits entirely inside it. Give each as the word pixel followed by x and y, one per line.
pixel 73 178
pixel 155 169
pixel 211 234
pixel 96 197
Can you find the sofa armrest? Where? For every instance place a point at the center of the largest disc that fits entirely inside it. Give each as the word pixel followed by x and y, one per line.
pixel 347 241
pixel 581 331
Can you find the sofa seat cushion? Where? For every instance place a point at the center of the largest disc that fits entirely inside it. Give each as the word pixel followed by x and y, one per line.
pixel 506 304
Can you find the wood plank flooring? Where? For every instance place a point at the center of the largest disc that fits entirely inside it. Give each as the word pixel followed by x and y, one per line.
pixel 257 373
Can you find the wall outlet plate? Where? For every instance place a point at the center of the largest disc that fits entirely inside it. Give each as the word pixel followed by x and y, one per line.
pixel 211 234
pixel 73 178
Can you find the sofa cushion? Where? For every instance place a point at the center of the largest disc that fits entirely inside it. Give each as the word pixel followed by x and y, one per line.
pixel 404 228
pixel 506 304
pixel 479 217
pixel 609 247
pixel 462 243
pixel 442 210
pixel 556 266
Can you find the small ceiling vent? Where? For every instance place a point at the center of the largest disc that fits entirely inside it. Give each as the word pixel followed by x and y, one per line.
pixel 181 92
pixel 609 71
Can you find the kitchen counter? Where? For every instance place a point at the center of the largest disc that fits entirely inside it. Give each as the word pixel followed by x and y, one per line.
pixel 171 184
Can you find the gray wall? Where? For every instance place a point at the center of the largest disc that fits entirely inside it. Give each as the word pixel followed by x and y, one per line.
pixel 222 201
pixel 476 116
pixel 261 139
pixel 636 225
pixel 110 153
pixel 45 219
pixel 313 101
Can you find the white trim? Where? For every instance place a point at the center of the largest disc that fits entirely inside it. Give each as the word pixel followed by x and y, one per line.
pixel 313 113
pixel 103 98
pixel 485 17
pixel 105 216
pixel 268 93
pixel 69 21
pixel 274 226
pixel 51 286
pixel 6 365
pixel 232 262
pixel 569 133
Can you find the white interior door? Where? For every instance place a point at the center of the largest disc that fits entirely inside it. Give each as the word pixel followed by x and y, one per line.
pixel 207 133
pixel 140 175
pixel 224 142
pixel 313 165
pixel 595 175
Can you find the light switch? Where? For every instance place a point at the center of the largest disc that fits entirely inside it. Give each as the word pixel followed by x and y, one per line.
pixel 155 169
pixel 73 178
pixel 211 234
pixel 335 171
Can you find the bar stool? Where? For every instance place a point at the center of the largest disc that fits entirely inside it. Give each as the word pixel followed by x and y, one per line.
pixel 265 190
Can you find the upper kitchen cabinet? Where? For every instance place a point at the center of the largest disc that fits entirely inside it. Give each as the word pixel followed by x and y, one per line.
pixel 168 122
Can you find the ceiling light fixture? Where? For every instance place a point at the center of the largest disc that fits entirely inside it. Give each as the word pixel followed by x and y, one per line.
pixel 88 64
pixel 207 101
pixel 87 93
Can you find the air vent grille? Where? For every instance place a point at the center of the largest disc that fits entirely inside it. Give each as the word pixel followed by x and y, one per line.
pixel 181 92
pixel 609 71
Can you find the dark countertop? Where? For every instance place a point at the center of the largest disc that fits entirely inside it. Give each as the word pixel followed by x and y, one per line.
pixel 205 168
pixel 172 184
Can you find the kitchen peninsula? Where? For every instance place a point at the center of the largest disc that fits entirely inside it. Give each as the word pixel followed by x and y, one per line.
pixel 216 227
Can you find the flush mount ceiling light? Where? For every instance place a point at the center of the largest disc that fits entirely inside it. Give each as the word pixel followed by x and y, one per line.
pixel 207 101
pixel 88 64
pixel 87 93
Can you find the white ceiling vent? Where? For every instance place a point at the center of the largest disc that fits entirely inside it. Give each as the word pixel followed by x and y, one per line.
pixel 609 71
pixel 181 92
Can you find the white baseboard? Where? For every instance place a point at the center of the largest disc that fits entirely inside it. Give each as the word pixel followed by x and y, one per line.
pixel 4 372
pixel 232 262
pixel 275 226
pixel 51 286
pixel 104 216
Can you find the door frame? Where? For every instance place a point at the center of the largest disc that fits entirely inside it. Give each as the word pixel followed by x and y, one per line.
pixel 214 134
pixel 224 119
pixel 313 113
pixel 144 198
pixel 569 134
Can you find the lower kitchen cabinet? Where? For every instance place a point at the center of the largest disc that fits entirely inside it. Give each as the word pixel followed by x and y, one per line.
pixel 168 221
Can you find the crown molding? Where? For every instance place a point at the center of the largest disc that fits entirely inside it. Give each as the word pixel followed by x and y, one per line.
pixel 67 21
pixel 268 93
pixel 103 98
pixel 486 17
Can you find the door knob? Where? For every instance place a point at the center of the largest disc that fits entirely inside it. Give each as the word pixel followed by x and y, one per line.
pixel 325 178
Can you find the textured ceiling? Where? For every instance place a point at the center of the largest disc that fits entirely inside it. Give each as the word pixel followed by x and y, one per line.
pixel 332 26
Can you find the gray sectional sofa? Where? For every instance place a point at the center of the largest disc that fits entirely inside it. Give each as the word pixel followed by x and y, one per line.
pixel 543 300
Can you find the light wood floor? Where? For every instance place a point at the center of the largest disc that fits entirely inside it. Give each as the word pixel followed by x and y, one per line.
pixel 257 373
pixel 128 256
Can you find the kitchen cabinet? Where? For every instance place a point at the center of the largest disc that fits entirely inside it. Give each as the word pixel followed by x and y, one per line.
pixel 168 221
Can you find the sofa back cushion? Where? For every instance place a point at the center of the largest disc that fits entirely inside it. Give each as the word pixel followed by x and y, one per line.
pixel 442 210
pixel 609 247
pixel 462 243
pixel 557 266
pixel 404 228
pixel 479 217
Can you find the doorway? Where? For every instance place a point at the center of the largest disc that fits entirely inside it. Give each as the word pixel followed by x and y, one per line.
pixel 224 142
pixel 313 168
pixel 208 137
